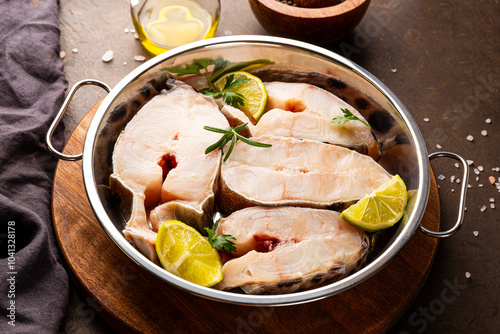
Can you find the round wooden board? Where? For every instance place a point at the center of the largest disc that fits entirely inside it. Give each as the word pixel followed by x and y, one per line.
pixel 132 300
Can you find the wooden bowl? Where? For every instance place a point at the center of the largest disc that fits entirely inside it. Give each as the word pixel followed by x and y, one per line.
pixel 326 25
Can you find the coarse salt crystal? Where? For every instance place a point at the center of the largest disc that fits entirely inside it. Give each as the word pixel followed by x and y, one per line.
pixel 441 177
pixel 394 70
pixel 497 184
pixel 438 146
pixel 469 186
pixel 457 180
pixel 132 31
pixel 483 208
pixel 136 36
pixel 480 168
pixel 126 30
pixel 477 178
pixel 452 190
pixel 124 63
pixel 74 50
pixel 457 164
pixel 480 185
pixel 426 119
pixel 139 58
pixel 484 133
pixel 470 138
pixel 476 233
pixel 107 56
pixel 497 169
pixel 476 171
pixel 228 32
pixel 492 205
pixel 467 275
pixel 470 162
pixel 452 178
pixel 488 120
pixel 492 199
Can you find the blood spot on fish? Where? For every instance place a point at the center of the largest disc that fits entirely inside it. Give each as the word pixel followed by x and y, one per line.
pixel 337 83
pixel 362 103
pixel 167 163
pixel 381 121
pixel 294 105
pixel 176 137
pixel 264 243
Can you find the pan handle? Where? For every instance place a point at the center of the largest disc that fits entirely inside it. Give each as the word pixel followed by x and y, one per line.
pixel 461 209
pixel 60 114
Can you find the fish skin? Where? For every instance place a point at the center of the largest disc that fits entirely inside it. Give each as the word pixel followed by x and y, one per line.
pixel 171 124
pixel 312 247
pixel 296 172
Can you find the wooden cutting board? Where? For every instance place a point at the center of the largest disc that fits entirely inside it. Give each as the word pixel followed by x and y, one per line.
pixel 132 300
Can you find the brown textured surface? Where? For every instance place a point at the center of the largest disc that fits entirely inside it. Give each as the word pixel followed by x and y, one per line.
pixel 129 298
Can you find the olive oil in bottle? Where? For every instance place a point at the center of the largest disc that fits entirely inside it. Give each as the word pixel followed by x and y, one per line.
pixel 166 24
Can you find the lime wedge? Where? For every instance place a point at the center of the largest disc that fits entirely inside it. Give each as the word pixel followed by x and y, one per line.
pixel 253 91
pixel 184 252
pixel 379 210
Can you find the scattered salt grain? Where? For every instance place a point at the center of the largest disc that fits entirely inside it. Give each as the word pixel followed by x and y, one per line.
pixel 470 162
pixel 426 119
pixel 477 178
pixel 484 133
pixel 452 190
pixel 483 208
pixel 492 179
pixel 470 138
pixel 480 168
pixel 457 180
pixel 74 50
pixel 488 120
pixel 139 58
pixel 132 31
pixel 438 146
pixel 126 30
pixel 394 70
pixel 107 56
pixel 228 32
pixel 492 205
pixel 476 233
pixel 452 178
pixel 476 171
pixel 497 184
pixel 480 185
pixel 136 36
pixel 492 200
pixel 467 275
pixel 469 186
pixel 457 165
pixel 62 54
pixel 441 177
pixel 124 63
pixel 497 169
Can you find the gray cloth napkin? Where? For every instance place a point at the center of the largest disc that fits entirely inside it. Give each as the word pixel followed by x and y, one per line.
pixel 33 281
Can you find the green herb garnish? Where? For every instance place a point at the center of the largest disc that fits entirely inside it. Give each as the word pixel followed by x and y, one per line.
pixel 221 242
pixel 348 116
pixel 221 67
pixel 231 135
pixel 234 99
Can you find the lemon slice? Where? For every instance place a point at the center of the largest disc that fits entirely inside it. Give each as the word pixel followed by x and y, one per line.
pixel 253 91
pixel 186 253
pixel 381 209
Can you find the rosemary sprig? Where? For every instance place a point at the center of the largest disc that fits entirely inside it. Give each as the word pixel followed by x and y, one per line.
pixel 231 135
pixel 348 116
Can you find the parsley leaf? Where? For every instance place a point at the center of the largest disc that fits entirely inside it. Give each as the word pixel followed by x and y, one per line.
pixel 348 116
pixel 231 135
pixel 221 67
pixel 221 242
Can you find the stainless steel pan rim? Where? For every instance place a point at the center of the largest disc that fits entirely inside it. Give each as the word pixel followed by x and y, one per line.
pixel 262 300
